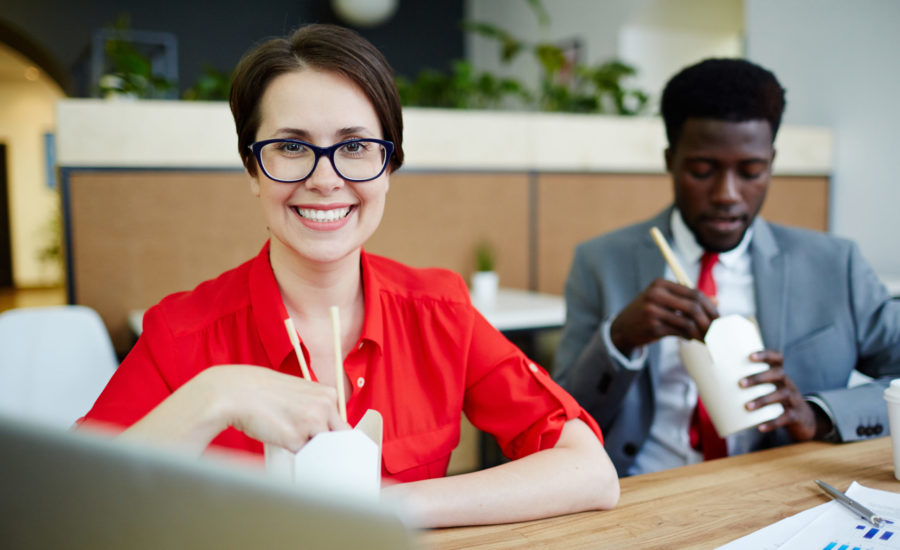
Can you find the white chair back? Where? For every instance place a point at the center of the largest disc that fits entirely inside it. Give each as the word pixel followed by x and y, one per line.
pixel 54 362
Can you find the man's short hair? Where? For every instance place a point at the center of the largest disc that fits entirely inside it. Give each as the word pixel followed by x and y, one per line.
pixel 734 90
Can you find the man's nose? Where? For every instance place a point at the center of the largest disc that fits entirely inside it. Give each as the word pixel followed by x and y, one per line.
pixel 727 187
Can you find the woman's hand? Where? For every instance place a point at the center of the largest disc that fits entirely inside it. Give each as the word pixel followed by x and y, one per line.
pixel 276 408
pixel 266 405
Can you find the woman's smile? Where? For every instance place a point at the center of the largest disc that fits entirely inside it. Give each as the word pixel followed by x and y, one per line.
pixel 324 217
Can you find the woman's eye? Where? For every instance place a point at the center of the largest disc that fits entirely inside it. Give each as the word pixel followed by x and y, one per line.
pixel 289 147
pixel 354 148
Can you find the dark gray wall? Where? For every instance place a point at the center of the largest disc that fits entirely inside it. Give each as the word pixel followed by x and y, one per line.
pixel 421 33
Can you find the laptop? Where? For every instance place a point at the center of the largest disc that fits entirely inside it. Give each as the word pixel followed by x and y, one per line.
pixel 63 489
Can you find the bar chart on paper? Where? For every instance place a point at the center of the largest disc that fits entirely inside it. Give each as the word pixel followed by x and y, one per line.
pixel 838 528
pixel 867 538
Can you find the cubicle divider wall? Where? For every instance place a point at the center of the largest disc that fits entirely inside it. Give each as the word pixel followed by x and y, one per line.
pixel 135 235
pixel 573 207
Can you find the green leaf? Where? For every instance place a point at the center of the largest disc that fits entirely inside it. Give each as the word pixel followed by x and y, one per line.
pixel 551 57
pixel 538 8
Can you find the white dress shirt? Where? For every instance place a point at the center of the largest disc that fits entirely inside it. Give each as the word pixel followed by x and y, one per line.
pixel 668 444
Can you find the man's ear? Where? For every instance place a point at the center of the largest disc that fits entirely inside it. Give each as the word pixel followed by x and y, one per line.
pixel 668 156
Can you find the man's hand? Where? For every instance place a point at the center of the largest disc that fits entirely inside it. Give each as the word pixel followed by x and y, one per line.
pixel 663 309
pixel 798 417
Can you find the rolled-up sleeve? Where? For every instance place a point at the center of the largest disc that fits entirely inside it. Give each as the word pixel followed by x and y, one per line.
pixel 513 398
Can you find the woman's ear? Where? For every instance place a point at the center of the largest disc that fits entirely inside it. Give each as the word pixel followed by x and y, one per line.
pixel 388 172
pixel 254 182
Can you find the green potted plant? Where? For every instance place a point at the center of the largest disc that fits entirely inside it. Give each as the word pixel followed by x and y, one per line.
pixel 485 281
pixel 565 84
pixel 128 67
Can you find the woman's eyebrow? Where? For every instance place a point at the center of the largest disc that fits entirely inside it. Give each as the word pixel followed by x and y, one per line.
pixel 293 132
pixel 349 131
pixel 305 135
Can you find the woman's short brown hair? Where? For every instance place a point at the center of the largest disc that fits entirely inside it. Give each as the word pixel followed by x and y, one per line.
pixel 321 47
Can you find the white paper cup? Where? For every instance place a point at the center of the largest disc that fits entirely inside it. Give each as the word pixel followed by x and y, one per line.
pixel 892 397
pixel 718 363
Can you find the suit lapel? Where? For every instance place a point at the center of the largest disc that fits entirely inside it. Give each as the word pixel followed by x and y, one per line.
pixel 770 272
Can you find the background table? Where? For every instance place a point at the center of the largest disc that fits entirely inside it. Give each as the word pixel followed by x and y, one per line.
pixel 699 506
pixel 523 310
pixel 893 285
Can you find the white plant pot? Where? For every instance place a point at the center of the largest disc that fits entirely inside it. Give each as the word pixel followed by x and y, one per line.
pixel 484 287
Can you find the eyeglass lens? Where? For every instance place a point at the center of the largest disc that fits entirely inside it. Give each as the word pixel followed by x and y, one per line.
pixel 354 160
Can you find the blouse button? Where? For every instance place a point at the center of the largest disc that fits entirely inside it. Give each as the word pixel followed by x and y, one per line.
pixel 360 382
pixel 360 347
pixel 533 367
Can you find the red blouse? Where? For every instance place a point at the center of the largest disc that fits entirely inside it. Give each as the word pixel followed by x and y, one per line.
pixel 425 356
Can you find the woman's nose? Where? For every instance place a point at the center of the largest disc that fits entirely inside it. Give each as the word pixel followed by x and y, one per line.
pixel 324 177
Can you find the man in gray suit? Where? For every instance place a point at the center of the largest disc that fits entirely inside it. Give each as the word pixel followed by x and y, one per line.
pixel 824 316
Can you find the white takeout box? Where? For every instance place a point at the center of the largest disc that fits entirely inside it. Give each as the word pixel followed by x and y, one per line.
pixel 344 462
pixel 718 363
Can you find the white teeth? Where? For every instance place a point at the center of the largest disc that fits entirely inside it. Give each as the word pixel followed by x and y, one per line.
pixel 323 215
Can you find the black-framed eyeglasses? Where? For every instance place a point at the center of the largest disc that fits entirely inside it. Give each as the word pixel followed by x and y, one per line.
pixel 292 160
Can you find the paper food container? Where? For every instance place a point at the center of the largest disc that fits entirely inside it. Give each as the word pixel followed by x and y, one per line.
pixel 346 463
pixel 718 363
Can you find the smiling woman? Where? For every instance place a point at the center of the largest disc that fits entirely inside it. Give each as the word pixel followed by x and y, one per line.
pixel 320 134
pixel 323 213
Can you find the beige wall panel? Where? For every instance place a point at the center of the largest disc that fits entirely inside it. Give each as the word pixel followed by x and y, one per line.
pixel 798 201
pixel 140 235
pixel 575 207
pixel 437 220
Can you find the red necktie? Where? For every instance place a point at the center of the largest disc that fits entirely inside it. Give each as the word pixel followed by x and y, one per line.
pixel 703 434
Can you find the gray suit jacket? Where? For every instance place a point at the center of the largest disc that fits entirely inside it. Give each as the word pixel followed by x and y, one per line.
pixel 817 301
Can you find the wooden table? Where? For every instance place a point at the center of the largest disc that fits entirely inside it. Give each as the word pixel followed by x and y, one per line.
pixel 699 506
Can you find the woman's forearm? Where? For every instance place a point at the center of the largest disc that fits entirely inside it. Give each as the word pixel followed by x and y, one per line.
pixel 189 419
pixel 266 405
pixel 573 476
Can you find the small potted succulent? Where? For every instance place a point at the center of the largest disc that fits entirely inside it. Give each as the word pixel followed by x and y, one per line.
pixel 485 281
